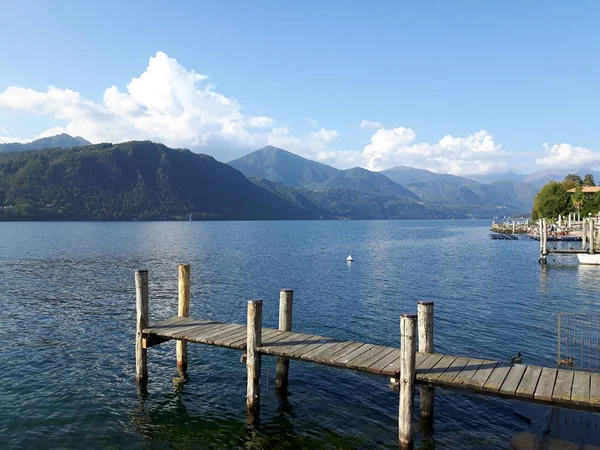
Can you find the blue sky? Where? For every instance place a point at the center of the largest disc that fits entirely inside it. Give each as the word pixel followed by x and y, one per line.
pixel 526 73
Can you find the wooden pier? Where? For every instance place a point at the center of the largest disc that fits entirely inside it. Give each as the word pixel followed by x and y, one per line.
pixel 563 387
pixel 588 239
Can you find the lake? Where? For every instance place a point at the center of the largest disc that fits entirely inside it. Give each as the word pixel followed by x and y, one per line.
pixel 68 320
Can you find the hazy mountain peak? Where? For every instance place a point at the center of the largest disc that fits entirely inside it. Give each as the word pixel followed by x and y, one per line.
pixel 62 140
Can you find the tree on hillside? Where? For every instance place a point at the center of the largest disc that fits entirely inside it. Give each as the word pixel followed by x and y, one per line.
pixel 575 178
pixel 552 200
pixel 588 180
pixel 578 199
pixel 570 184
pixel 592 205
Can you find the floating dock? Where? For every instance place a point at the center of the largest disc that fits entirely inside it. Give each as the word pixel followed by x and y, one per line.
pixel 546 385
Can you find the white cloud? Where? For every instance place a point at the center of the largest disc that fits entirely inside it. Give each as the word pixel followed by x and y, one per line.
pixel 312 121
pixel 370 124
pixel 477 153
pixel 167 103
pixel 567 156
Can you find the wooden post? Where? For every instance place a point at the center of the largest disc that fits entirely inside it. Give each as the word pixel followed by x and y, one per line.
pixel 253 341
pixel 183 311
pixel 513 227
pixel 591 238
pixel 408 331
pixel 583 234
pixel 141 305
pixel 425 327
pixel 286 301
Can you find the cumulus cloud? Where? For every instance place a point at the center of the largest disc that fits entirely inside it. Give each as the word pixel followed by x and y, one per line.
pixel 567 156
pixel 167 103
pixel 477 153
pixel 370 124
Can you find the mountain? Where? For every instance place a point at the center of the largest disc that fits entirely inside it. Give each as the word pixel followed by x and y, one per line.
pixel 454 190
pixel 60 140
pixel 492 177
pixel 541 177
pixel 285 167
pixel 133 180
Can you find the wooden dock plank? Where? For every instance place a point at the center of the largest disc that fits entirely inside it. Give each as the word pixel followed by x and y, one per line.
pixel 341 354
pixel 529 382
pixel 438 369
pixel 327 355
pixel 595 389
pixel 452 371
pixel 563 385
pixel 196 330
pixel 512 380
pixel 309 356
pixel 345 360
pixel 496 378
pixel 376 357
pixel 153 329
pixel 580 393
pixel 387 364
pixel 576 388
pixel 545 385
pixel 484 372
pixel 465 375
pixel 373 352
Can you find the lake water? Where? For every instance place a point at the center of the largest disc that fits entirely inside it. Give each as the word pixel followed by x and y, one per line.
pixel 67 297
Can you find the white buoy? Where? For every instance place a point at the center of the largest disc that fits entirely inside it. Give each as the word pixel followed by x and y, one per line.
pixel 349 258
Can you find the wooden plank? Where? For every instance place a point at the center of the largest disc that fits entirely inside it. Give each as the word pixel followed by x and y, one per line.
pixel 511 383
pixel 438 369
pixel 326 355
pixel 580 394
pixel 175 330
pixel 164 324
pixel 563 385
pixel 545 386
pixel 497 377
pixel 386 363
pixel 345 360
pixel 329 358
pixel 195 330
pixel 595 389
pixel 375 351
pixel 225 340
pixel 465 375
pixel 484 372
pixel 286 347
pixel 240 330
pixel 452 371
pixel 529 382
pixel 210 337
pixel 328 346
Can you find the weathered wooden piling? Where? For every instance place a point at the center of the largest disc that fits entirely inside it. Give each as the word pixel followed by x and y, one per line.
pixel 183 311
pixel 286 302
pixel 408 332
pixel 543 226
pixel 584 234
pixel 592 246
pixel 253 341
pixel 425 328
pixel 142 322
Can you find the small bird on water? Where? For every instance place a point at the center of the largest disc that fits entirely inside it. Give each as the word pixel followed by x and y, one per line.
pixel 517 359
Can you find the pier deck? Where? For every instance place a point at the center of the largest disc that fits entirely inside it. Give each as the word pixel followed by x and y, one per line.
pixel 564 387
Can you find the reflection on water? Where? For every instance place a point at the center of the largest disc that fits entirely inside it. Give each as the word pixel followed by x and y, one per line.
pixel 68 321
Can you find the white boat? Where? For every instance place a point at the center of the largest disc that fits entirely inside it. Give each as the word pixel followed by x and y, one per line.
pixel 586 258
pixel 349 258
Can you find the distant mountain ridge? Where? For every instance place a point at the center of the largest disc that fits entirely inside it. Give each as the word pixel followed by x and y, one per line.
pixel 61 140
pixel 281 166
pixel 452 189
